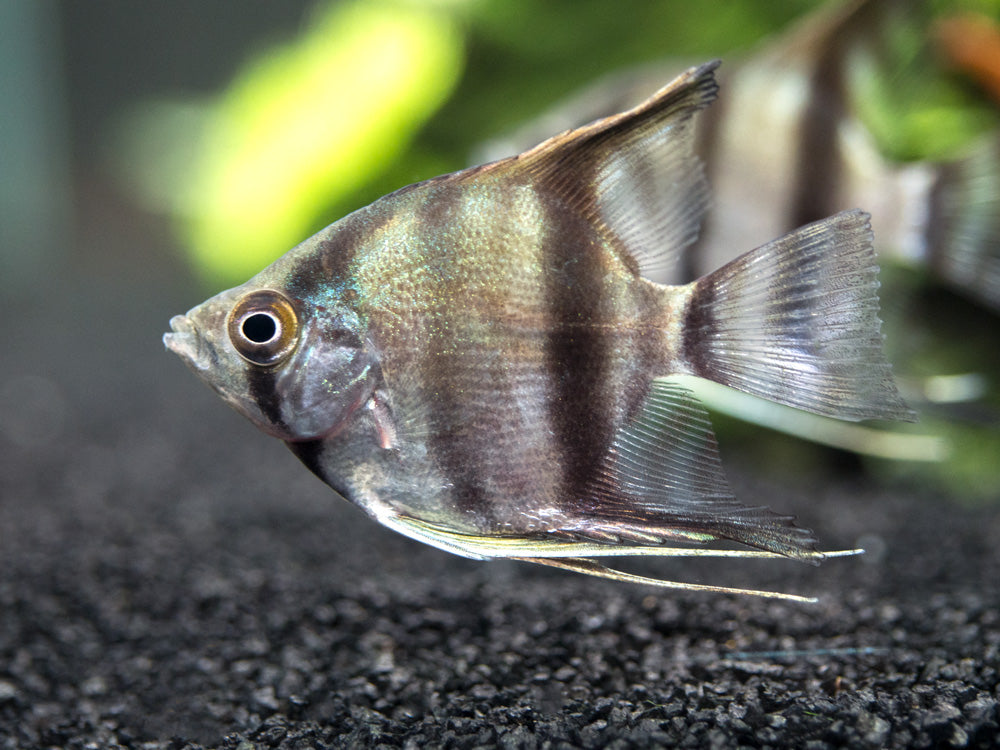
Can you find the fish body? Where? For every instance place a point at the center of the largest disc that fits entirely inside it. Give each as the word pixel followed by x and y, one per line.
pixel 477 360
pixel 786 146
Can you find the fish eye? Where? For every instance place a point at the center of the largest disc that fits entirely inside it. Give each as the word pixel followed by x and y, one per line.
pixel 263 327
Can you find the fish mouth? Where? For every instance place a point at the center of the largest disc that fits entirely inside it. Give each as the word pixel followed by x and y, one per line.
pixel 184 341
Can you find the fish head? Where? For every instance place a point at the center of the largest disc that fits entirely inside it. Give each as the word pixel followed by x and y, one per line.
pixel 296 366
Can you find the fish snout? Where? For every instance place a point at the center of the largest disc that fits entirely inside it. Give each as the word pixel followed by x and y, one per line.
pixel 184 341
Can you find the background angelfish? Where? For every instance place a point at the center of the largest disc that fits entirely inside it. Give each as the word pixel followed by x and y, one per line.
pixel 476 360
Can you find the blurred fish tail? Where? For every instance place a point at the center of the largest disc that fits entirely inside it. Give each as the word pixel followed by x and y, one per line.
pixel 963 223
pixel 796 322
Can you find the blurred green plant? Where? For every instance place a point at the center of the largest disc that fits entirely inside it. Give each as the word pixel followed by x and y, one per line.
pixel 914 107
pixel 311 121
pixel 304 124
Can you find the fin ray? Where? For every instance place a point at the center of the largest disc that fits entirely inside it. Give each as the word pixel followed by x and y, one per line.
pixel 796 321
pixel 963 238
pixel 663 479
pixel 636 173
pixel 593 568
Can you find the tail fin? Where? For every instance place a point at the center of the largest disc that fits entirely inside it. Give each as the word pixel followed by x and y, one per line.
pixel 796 321
pixel 963 237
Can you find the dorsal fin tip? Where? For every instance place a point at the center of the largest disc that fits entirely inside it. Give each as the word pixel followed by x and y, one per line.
pixel 635 174
pixel 688 92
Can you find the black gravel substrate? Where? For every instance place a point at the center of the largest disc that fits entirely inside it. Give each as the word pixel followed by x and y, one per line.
pixel 169 578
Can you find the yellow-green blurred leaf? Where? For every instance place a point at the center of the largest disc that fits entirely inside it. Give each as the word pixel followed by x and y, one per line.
pixel 310 122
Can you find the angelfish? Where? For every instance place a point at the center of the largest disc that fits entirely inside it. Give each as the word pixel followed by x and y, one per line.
pixel 477 360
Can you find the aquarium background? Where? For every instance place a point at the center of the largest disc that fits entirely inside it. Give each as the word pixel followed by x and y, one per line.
pixel 169 576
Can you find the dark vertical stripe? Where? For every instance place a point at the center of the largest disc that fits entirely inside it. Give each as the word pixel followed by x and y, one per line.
pixel 817 157
pixel 329 265
pixel 325 266
pixel 309 273
pixel 310 453
pixel 262 385
pixel 578 351
pixel 459 454
pixel 939 224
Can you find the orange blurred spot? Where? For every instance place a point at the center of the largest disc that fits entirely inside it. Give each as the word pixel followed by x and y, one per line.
pixel 971 43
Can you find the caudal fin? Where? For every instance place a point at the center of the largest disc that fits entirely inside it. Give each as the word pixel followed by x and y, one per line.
pixel 963 236
pixel 796 321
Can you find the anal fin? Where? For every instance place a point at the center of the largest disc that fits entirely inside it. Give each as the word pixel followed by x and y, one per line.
pixel 663 480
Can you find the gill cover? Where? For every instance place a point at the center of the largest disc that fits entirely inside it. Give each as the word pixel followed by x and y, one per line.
pixel 309 367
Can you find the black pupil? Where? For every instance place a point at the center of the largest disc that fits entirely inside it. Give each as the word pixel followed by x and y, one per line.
pixel 259 328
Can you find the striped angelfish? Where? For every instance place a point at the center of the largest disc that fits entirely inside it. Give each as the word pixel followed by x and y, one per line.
pixel 476 360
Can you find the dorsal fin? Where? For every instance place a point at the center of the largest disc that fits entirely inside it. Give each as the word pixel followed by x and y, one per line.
pixel 663 479
pixel 635 173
